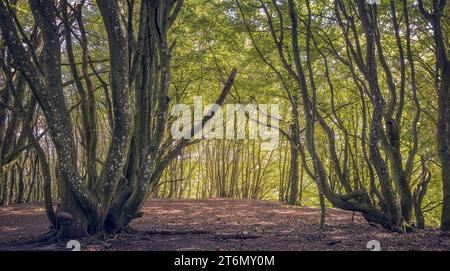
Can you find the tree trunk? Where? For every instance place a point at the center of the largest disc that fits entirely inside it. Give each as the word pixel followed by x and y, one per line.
pixel 293 178
pixel 443 93
pixel 20 187
pixel 443 132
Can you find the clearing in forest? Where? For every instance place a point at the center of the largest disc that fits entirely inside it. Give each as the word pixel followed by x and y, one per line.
pixel 222 224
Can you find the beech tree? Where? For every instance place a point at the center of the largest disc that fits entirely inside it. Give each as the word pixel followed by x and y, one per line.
pixel 388 198
pixel 86 89
pixel 443 93
pixel 139 148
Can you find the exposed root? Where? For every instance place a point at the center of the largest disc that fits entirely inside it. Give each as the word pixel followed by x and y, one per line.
pixel 409 228
pixel 50 238
pixel 130 230
pixel 177 232
pixel 219 235
pixel 237 236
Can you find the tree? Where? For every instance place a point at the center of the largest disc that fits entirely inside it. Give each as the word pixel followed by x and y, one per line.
pixel 86 90
pixel 314 39
pixel 443 93
pixel 108 202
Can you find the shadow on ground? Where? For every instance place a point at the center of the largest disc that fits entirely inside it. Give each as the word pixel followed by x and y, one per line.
pixel 223 224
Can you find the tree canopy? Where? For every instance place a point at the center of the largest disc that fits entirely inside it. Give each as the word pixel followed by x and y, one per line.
pixel 87 88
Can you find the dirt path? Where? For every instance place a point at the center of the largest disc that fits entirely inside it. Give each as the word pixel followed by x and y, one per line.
pixel 224 224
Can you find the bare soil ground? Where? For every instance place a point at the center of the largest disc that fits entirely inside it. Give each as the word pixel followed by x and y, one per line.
pixel 222 224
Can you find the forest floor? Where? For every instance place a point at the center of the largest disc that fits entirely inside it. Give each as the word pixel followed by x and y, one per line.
pixel 222 224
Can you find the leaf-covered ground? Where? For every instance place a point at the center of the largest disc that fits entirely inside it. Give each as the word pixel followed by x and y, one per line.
pixel 222 224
